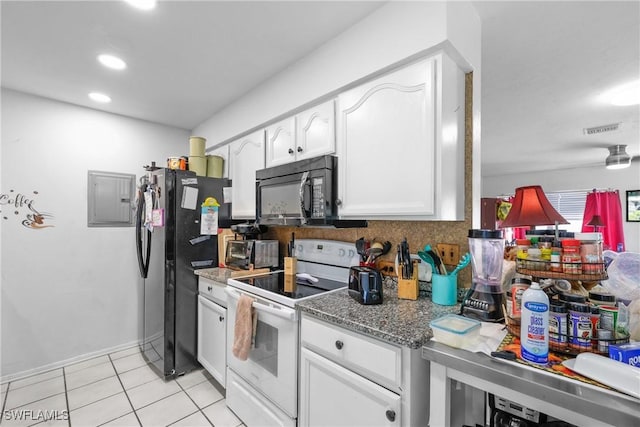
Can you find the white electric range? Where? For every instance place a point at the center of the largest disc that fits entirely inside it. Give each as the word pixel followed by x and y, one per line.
pixel 263 390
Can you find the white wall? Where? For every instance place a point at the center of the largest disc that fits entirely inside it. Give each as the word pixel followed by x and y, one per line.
pixel 68 291
pixel 391 34
pixel 575 179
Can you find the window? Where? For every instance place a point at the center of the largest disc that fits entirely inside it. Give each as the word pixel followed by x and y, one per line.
pixel 570 204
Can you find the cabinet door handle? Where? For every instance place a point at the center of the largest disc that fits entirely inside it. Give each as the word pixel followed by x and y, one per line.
pixel 221 318
pixel 339 344
pixel 299 149
pixel 209 288
pixel 391 415
pixel 338 202
pixel 290 150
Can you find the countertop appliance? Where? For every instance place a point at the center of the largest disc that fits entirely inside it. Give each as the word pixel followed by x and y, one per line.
pixel 263 389
pixel 248 254
pixel 484 299
pixel 365 285
pixel 171 245
pixel 301 193
pixel 298 193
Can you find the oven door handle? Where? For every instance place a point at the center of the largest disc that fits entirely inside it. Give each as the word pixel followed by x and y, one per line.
pixel 282 313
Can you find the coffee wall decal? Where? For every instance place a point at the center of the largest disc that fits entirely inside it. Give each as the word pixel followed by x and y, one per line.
pixel 22 207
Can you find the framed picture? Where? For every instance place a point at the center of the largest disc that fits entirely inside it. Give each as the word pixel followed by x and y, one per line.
pixel 633 206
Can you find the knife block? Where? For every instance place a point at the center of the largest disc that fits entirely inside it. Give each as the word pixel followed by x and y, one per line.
pixel 408 288
pixel 290 266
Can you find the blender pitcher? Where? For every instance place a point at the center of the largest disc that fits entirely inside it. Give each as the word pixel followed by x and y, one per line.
pixel 484 299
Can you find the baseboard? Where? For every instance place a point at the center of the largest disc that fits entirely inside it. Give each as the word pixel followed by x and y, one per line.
pixel 62 363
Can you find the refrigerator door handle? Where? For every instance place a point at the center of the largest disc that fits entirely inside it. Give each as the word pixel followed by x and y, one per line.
pixel 143 259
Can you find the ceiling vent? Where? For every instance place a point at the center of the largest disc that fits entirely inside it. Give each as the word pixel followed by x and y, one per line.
pixel 602 129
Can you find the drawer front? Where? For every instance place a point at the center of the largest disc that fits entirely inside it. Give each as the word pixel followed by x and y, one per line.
pixel 212 290
pixel 374 359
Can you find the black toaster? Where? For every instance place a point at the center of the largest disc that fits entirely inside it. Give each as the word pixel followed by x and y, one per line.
pixel 365 285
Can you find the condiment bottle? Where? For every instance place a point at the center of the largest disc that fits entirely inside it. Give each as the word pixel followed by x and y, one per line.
pixel 579 326
pixel 556 259
pixel 558 337
pixel 571 259
pixel 591 255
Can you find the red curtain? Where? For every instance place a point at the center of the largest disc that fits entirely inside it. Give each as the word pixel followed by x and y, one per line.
pixel 607 205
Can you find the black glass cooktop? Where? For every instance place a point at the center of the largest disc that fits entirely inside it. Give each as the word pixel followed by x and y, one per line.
pixel 286 286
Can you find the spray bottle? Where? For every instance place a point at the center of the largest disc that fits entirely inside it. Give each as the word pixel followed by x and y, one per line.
pixel 534 325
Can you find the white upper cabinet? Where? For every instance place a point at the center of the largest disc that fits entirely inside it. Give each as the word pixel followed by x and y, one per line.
pixel 280 143
pixel 315 131
pixel 398 137
pixel 308 134
pixel 246 156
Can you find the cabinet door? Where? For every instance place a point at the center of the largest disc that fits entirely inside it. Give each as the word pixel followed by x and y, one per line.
pixel 212 338
pixel 246 156
pixel 386 145
pixel 224 153
pixel 331 395
pixel 488 213
pixel 315 131
pixel 280 147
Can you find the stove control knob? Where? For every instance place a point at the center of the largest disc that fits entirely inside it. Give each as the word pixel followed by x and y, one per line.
pixel 352 253
pixel 339 345
pixel 341 252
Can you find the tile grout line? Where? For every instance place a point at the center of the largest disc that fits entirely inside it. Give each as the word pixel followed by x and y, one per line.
pixel 4 400
pixel 125 392
pixel 194 402
pixel 66 396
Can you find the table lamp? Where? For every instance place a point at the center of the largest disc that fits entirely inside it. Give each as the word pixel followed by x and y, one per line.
pixel 530 207
pixel 596 222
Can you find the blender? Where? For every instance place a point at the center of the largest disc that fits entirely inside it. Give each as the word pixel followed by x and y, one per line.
pixel 484 299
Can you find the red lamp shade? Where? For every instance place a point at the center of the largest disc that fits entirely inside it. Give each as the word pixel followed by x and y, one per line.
pixel 596 222
pixel 530 208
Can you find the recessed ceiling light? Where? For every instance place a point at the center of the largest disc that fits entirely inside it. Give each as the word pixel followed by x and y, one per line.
pixel 99 97
pixel 627 94
pixel 112 62
pixel 142 4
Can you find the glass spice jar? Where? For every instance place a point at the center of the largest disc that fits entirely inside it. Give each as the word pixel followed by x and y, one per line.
pixel 571 259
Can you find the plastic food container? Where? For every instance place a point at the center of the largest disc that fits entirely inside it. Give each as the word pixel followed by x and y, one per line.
pixel 455 330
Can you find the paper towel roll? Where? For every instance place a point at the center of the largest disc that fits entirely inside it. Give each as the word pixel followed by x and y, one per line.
pixel 197 146
pixel 215 166
pixel 198 164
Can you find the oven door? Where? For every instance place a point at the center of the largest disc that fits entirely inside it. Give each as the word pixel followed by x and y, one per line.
pixel 272 364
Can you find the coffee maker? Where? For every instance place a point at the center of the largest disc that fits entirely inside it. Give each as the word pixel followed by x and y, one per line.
pixel 483 301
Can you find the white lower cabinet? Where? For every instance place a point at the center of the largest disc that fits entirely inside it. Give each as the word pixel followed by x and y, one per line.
pixel 351 379
pixel 331 395
pixel 212 333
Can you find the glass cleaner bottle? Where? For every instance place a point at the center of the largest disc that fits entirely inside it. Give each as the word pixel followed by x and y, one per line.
pixel 534 325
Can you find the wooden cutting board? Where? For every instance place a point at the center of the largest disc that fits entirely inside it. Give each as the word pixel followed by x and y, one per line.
pixel 240 273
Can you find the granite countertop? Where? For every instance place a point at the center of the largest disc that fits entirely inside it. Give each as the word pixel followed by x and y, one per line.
pixel 399 321
pixel 216 274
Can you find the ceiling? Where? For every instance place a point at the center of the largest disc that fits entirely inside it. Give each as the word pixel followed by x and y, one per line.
pixel 544 64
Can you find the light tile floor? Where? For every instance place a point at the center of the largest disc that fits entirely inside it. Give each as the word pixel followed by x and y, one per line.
pixel 119 389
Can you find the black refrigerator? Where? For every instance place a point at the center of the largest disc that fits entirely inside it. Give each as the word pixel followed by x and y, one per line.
pixel 171 245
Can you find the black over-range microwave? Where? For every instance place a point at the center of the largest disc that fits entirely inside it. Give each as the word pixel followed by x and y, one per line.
pixel 300 193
